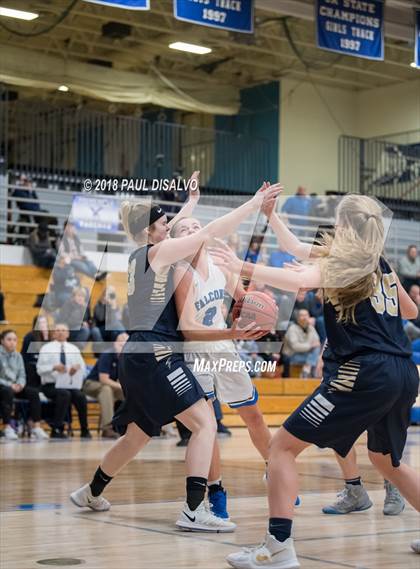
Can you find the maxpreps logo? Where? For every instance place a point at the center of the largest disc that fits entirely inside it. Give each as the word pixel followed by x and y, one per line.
pixel 202 365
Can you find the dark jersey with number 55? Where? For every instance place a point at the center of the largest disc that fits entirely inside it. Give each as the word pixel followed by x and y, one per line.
pixel 378 325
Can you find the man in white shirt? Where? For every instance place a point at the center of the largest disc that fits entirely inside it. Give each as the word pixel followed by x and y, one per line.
pixel 61 362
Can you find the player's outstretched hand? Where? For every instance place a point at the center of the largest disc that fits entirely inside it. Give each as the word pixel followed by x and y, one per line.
pixel 194 186
pixel 249 332
pixel 268 206
pixel 224 256
pixel 266 196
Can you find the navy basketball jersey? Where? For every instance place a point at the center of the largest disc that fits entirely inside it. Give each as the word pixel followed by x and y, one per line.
pixel 378 325
pixel 151 303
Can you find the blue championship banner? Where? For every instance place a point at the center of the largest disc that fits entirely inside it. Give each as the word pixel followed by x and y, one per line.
pixel 351 27
pixel 417 42
pixel 234 15
pixel 128 4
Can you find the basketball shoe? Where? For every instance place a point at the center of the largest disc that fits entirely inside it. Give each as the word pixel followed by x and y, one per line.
pixel 83 499
pixel 272 554
pixel 351 499
pixel 394 503
pixel 202 519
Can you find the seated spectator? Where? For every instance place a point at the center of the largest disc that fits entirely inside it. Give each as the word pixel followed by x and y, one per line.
pixel 102 383
pixel 55 358
pixel 72 246
pixel 13 386
pixel 252 254
pixel 39 334
pixel 2 313
pixel 31 207
pixel 248 351
pixel 301 345
pixel 409 268
pixel 298 205
pixel 76 315
pixel 278 258
pixel 107 316
pixel 314 304
pixel 65 280
pixel 41 247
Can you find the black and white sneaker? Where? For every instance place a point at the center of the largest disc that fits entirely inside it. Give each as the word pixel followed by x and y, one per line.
pixel 83 499
pixel 202 519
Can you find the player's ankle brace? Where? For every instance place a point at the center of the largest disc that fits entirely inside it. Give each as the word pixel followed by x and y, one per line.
pixel 280 528
pixel 196 490
pixel 100 480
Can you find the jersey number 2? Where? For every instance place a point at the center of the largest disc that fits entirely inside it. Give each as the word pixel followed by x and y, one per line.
pixel 209 316
pixel 385 298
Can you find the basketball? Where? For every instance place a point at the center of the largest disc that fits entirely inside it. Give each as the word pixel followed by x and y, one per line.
pixel 256 307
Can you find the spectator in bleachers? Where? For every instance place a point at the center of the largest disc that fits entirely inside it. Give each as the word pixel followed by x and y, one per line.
pixel 301 345
pixel 39 334
pixel 2 312
pixel 65 279
pixel 75 313
pixel 13 386
pixel 234 242
pixel 409 268
pixel 55 358
pixel 72 246
pixel 107 316
pixel 102 383
pixel 40 244
pixel 299 204
pixel 253 253
pixel 313 302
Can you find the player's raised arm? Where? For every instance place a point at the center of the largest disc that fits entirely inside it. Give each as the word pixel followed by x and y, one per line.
pixel 193 198
pixel 284 279
pixel 169 251
pixel 286 240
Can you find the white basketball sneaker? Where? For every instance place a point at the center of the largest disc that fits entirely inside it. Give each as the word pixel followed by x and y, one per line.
pixel 83 499
pixel 202 519
pixel 272 554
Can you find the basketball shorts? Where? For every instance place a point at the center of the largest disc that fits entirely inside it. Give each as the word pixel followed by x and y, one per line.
pixel 156 388
pixel 222 372
pixel 373 393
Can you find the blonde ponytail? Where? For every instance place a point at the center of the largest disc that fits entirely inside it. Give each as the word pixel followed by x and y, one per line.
pixel 350 266
pixel 130 212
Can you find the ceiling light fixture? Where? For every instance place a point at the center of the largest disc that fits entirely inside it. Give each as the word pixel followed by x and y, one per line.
pixel 413 64
pixel 63 88
pixel 19 14
pixel 190 47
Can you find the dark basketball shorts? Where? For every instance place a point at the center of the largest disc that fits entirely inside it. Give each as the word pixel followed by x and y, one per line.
pixel 373 393
pixel 156 389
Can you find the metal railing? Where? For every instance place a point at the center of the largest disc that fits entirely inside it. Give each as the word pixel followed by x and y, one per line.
pixel 388 169
pixel 67 143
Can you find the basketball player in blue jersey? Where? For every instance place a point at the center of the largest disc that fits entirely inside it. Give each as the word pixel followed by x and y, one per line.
pixel 370 382
pixel 157 384
pixel 200 294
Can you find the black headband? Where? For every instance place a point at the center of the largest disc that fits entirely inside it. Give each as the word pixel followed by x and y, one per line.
pixel 146 219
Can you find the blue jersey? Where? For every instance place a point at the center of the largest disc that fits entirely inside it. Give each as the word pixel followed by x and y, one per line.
pixel 151 302
pixel 378 327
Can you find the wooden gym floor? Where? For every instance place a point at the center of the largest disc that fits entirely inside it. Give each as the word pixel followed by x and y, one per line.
pixel 40 527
